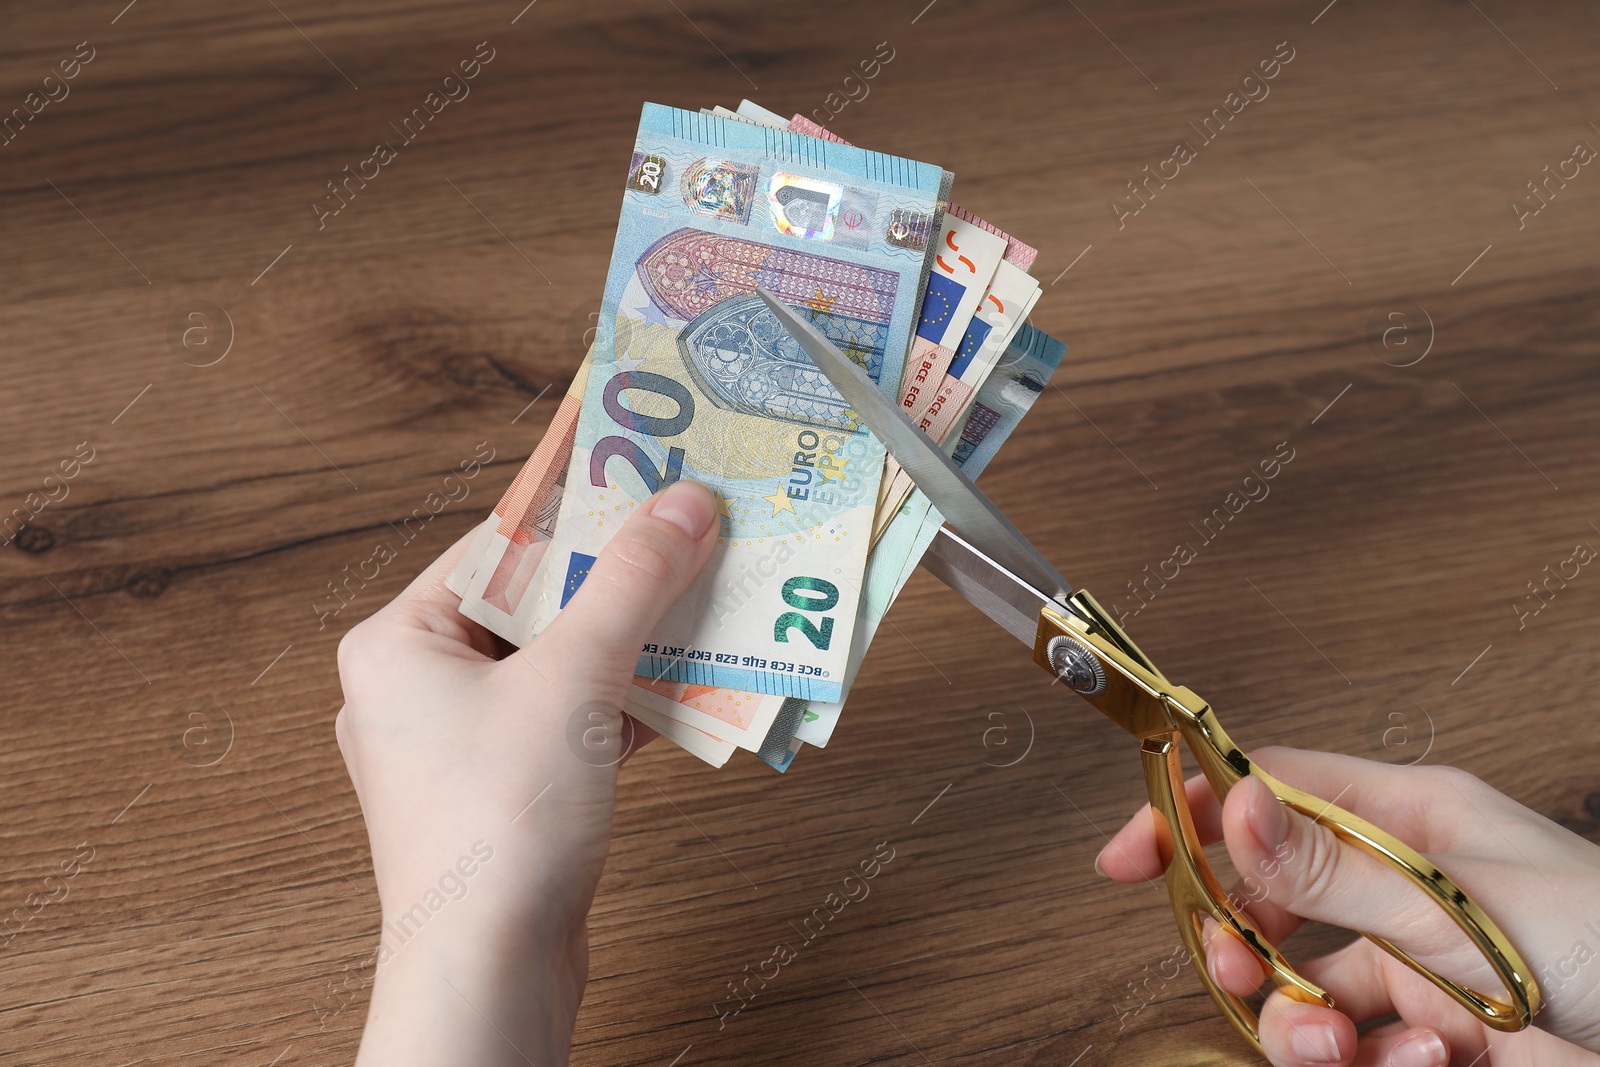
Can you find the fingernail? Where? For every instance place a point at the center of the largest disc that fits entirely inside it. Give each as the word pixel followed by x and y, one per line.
pixel 1316 1044
pixel 687 505
pixel 1424 1050
pixel 1101 871
pixel 1268 817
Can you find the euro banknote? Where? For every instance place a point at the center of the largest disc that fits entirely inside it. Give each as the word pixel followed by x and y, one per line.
pixel 1028 358
pixel 509 552
pixel 1018 253
pixel 503 560
pixel 1026 366
pixel 508 564
pixel 460 576
pixel 964 287
pixel 993 328
pixel 690 376
pixel 697 743
pixel 732 716
pixel 1007 302
pixel 1021 374
pixel 965 263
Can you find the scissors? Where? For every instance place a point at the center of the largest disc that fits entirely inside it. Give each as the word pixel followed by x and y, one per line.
pixel 986 559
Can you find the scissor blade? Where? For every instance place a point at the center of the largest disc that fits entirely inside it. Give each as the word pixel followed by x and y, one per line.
pixel 1009 601
pixel 965 507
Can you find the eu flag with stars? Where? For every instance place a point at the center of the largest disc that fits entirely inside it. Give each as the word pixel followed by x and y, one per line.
pixel 977 333
pixel 944 293
pixel 577 570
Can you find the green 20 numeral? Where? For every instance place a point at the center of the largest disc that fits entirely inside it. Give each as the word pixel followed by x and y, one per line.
pixel 807 594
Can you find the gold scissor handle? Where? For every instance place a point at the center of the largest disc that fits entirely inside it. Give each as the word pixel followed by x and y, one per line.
pixel 1103 665
pixel 1196 894
pixel 1225 764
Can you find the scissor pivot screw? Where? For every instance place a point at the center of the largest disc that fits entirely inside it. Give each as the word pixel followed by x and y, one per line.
pixel 1077 665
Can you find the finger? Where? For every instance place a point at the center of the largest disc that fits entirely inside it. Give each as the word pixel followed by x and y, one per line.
pixel 641 736
pixel 1251 894
pixel 1292 1035
pixel 425 610
pixel 1230 962
pixel 1305 1035
pixel 1390 796
pixel 1400 1046
pixel 1358 978
pixel 1355 975
pixel 1418 1047
pixel 1302 868
pixel 637 577
pixel 1132 855
pixel 1233 964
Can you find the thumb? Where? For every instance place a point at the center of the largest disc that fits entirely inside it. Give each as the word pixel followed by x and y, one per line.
pixel 636 578
pixel 1292 868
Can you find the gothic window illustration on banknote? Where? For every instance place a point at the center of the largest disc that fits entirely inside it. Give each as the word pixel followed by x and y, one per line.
pixel 742 359
pixel 688 270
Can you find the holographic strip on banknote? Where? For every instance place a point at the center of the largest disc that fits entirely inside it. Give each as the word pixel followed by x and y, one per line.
pixel 1017 252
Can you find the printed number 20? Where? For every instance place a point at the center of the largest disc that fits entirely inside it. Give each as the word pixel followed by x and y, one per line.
pixel 807 594
pixel 654 425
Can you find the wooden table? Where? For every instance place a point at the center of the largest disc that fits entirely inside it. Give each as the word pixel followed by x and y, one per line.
pixel 1339 269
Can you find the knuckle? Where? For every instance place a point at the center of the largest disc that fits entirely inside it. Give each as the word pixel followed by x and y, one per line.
pixel 1315 869
pixel 360 658
pixel 1453 799
pixel 1455 778
pixel 352 650
pixel 646 555
pixel 1272 758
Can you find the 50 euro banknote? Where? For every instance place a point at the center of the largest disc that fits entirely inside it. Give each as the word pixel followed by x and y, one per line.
pixel 493 577
pixel 1007 302
pixel 1019 377
pixel 690 376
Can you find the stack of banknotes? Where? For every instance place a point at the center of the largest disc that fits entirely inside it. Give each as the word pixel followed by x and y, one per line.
pixel 690 376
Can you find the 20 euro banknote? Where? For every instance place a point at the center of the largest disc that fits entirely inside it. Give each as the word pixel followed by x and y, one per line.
pixel 1023 371
pixel 691 377
pixel 507 549
pixel 978 293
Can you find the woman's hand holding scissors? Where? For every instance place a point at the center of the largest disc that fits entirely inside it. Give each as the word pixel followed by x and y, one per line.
pixel 1540 881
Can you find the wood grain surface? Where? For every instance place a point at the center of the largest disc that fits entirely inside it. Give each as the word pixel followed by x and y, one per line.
pixel 169 693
